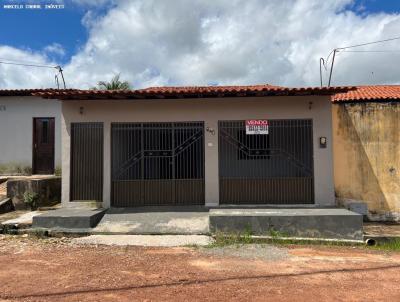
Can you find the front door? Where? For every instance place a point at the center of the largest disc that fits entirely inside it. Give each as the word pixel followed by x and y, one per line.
pixel 43 145
pixel 87 161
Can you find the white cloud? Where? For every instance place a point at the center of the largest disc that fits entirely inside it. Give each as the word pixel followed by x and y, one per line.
pixel 14 76
pixel 158 42
pixel 56 49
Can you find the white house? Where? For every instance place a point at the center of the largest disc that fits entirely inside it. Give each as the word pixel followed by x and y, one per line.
pixel 30 135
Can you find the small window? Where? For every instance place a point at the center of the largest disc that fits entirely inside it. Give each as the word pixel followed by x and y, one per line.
pixel 253 146
pixel 45 132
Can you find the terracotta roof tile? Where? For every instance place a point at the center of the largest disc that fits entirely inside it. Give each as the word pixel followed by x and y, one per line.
pixel 200 89
pixel 341 94
pixel 191 92
pixel 28 92
pixel 369 93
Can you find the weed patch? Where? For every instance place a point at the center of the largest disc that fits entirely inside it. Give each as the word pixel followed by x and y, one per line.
pixel 388 245
pixel 274 237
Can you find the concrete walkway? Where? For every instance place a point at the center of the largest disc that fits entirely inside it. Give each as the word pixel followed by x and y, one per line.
pixel 24 217
pixel 182 221
pixel 145 240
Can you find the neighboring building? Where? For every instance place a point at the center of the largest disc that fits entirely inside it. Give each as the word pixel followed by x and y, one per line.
pixel 29 133
pixel 190 145
pixel 366 125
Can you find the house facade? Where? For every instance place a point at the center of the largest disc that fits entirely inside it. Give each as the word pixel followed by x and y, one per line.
pixel 189 145
pixel 207 146
pixel 30 133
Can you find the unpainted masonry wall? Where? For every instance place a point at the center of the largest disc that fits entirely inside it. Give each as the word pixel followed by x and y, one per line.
pixel 367 157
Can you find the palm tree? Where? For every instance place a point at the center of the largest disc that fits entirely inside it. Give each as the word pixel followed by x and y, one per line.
pixel 114 84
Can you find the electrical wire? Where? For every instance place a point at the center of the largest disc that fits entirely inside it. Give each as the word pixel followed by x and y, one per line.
pixel 369 43
pixel 327 58
pixel 384 51
pixel 30 64
pixel 27 65
pixel 343 49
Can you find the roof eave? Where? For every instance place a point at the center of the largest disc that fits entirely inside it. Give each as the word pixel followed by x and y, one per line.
pixel 366 100
pixel 181 94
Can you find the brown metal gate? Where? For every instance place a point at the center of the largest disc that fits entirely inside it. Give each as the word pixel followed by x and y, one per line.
pixel 157 164
pixel 276 168
pixel 86 161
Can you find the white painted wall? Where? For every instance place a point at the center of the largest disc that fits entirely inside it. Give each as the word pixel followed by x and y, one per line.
pixel 210 111
pixel 16 126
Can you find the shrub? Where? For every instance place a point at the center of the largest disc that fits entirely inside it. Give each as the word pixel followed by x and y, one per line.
pixel 31 199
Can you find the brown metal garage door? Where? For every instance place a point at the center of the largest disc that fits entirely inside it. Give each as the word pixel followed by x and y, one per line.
pixel 274 168
pixel 157 164
pixel 86 161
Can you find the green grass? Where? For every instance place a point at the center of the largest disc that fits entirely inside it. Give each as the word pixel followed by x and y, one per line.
pixel 15 169
pixel 276 238
pixel 388 245
pixel 223 239
pixel 238 239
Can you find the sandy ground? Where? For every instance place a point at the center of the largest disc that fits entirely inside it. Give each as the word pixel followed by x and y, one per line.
pixel 59 270
pixel 146 240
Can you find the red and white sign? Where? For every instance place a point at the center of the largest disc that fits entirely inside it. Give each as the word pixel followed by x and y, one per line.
pixel 256 127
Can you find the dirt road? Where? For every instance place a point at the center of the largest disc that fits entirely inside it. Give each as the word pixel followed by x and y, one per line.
pixel 54 270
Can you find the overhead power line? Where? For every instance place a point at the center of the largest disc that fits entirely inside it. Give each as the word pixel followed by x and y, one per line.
pixel 369 43
pixel 28 64
pixel 333 53
pixel 383 51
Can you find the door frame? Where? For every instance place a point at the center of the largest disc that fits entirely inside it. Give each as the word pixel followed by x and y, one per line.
pixel 34 138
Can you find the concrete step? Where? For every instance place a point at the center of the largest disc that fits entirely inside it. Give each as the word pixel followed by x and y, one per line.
pixel 69 218
pixel 301 223
pixel 164 220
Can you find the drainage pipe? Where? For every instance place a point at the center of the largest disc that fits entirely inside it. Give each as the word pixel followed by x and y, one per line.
pixel 370 242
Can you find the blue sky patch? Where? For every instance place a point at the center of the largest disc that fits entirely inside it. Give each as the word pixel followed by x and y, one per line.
pixel 36 29
pixel 365 7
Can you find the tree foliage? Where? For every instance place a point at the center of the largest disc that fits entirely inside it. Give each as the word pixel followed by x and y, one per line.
pixel 114 84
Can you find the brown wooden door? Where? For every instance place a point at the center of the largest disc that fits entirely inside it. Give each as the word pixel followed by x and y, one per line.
pixel 43 145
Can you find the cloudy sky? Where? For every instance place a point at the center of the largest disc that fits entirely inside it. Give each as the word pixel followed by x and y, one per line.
pixel 199 42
